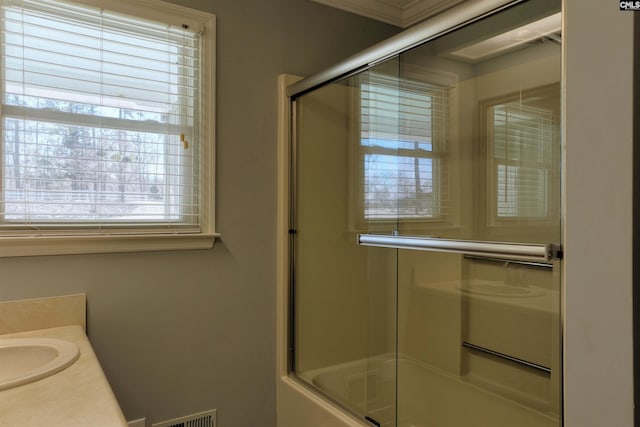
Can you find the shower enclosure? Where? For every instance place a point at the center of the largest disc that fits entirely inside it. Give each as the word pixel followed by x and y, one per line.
pixel 425 224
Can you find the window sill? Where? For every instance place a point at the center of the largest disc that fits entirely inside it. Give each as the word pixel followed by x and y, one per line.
pixel 68 245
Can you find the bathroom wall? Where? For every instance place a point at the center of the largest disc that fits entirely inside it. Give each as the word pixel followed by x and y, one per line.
pixel 182 332
pixel 598 346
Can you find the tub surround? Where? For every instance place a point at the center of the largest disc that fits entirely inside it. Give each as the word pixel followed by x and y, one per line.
pixel 445 399
pixel 80 394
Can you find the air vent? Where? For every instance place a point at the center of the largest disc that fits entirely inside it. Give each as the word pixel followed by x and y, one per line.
pixel 202 419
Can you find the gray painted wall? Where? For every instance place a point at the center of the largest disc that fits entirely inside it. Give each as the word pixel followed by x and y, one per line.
pixel 182 332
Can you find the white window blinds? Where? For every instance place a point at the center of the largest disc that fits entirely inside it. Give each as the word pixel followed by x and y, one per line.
pixel 101 120
pixel 522 139
pixel 402 145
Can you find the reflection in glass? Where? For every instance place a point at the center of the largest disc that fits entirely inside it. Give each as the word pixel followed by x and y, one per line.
pixel 522 138
pixel 403 131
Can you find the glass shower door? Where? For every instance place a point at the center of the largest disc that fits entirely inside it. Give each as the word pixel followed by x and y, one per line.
pixel 426 192
pixel 479 330
pixel 344 308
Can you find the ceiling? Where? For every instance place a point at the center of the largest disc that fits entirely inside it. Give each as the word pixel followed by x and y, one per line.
pixel 401 13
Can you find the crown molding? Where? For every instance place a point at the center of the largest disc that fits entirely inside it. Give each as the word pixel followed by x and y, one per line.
pixel 419 10
pixel 375 9
pixel 401 13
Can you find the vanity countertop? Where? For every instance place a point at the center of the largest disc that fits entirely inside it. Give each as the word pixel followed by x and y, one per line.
pixel 78 396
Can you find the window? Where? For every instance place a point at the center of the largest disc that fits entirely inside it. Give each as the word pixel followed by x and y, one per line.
pixel 402 149
pixel 106 120
pixel 523 138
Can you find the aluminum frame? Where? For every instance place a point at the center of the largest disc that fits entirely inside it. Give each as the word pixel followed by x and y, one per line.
pixel 429 29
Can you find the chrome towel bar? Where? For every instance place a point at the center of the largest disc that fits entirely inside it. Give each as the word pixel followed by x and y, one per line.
pixel 515 251
pixel 499 355
pixel 547 265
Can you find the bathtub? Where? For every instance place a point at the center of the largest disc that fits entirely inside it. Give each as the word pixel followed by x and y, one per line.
pixel 426 396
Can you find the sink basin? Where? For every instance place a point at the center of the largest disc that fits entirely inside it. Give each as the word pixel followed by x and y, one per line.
pixel 24 360
pixel 499 289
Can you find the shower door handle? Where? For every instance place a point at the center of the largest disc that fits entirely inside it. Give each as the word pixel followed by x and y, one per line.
pixel 515 251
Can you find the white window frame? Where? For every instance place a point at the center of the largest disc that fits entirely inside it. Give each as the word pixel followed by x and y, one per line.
pixel 72 240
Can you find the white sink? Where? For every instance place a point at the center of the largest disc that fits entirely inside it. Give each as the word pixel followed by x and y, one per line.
pixel 24 360
pixel 499 289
